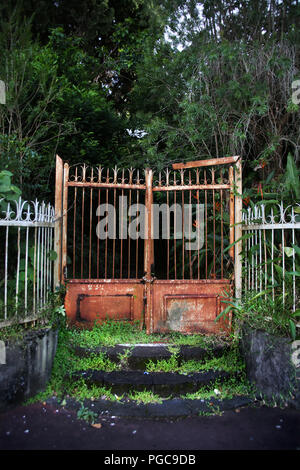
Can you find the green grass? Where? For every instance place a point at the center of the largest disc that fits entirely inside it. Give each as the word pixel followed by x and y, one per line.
pixel 201 340
pixel 96 362
pixel 163 365
pixel 111 333
pixel 145 397
pixel 228 389
pixel 230 361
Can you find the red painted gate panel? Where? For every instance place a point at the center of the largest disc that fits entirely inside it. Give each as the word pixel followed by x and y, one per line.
pixel 90 300
pixel 188 306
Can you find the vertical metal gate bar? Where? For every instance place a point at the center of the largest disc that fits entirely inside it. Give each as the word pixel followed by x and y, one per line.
pixel 38 270
pixel 114 239
pixel 129 222
pixel 148 257
pixel 190 221
pixel 182 249
pixel 206 266
pixel 106 240
pixel 18 269
pixel 122 222
pixel 222 239
pixel 137 239
pixel 266 264
pixel 283 266
pixel 256 260
pixel 260 261
pixel 168 233
pixel 90 232
pixel 272 256
pixel 175 235
pixel 214 234
pixel 231 213
pixel 45 263
pixel 294 263
pixel 198 228
pixel 98 240
pixel 82 232
pixel 26 268
pixel 42 266
pixel 214 224
pixel 35 271
pixel 6 274
pixel 249 264
pixel 74 226
pixel 65 220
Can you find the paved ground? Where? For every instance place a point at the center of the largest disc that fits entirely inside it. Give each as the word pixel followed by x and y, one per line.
pixel 46 427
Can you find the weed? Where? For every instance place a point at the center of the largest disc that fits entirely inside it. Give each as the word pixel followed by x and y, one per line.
pixel 163 365
pixel 123 358
pixel 205 413
pixel 86 415
pixel 144 397
pixel 96 362
pixel 227 389
pixel 230 361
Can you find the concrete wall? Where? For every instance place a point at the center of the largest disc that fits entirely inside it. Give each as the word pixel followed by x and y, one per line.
pixel 269 365
pixel 27 367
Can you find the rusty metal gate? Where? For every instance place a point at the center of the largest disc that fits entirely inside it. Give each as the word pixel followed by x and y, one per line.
pixel 141 269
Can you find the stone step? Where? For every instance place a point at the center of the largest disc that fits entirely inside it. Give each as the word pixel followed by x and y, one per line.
pixel 164 384
pixel 138 355
pixel 172 408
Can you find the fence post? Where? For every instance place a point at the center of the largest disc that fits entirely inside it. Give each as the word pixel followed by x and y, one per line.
pixel 238 229
pixel 231 213
pixel 64 222
pixel 148 253
pixel 58 220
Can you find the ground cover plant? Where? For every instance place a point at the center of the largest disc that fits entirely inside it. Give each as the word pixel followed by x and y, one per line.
pixel 63 385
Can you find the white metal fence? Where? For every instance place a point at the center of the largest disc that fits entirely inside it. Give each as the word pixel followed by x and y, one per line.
pixel 271 249
pixel 26 258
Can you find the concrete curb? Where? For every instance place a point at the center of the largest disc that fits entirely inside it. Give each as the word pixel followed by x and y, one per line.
pixel 173 408
pixel 163 383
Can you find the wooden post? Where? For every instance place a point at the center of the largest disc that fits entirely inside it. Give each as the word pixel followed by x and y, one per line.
pixel 238 229
pixel 231 214
pixel 148 252
pixel 58 220
pixel 64 223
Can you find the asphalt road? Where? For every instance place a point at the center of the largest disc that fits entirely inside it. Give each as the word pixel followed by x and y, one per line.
pixel 44 427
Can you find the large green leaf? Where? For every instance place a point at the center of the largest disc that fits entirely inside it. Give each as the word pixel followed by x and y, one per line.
pixel 292 177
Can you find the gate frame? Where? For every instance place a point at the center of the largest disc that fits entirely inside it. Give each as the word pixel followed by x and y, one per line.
pixel 235 235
